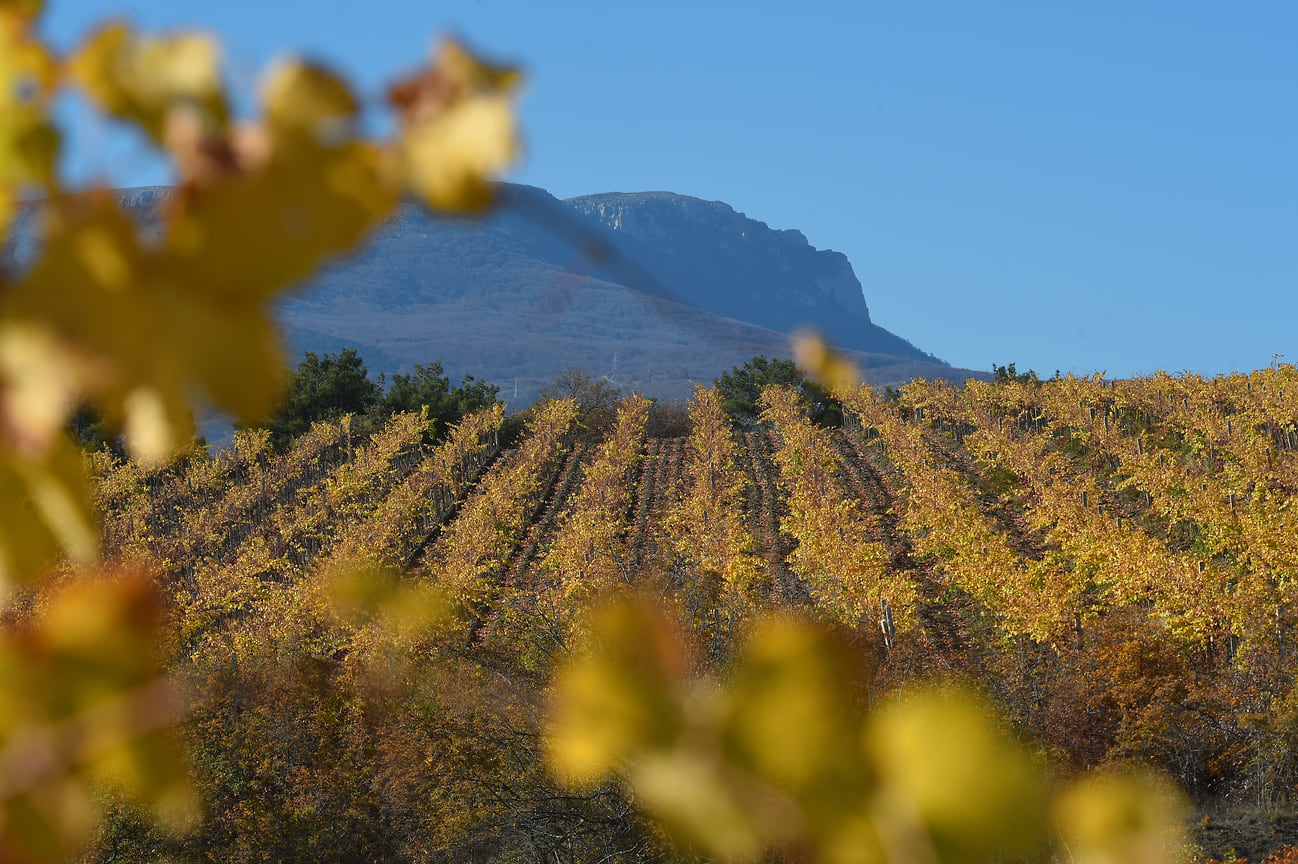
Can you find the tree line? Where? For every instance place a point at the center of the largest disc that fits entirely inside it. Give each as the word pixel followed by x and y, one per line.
pixel 325 388
pixel 328 387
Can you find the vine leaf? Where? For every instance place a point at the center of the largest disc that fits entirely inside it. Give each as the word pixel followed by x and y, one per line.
pixel 457 129
pixel 823 363
pixel 86 711
pixel 142 80
pixel 28 143
pixel 303 98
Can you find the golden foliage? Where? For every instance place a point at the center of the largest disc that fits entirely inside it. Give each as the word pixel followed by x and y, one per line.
pixel 142 330
pixel 85 709
pixel 783 755
pixel 139 330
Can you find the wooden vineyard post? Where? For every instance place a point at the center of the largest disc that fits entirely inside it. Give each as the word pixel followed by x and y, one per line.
pixel 1279 631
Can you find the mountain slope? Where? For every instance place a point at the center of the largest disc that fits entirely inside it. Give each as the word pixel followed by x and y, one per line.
pixel 655 291
pixel 647 290
pixel 726 263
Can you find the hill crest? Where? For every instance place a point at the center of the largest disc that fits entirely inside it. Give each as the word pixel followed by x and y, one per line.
pixel 654 291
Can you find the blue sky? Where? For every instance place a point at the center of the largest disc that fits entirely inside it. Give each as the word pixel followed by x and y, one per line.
pixel 1099 186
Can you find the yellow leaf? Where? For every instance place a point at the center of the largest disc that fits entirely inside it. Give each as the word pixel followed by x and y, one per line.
pixel 60 493
pixel 27 71
pixel 451 161
pixel 28 142
pixel 233 348
pixel 472 72
pixel 45 509
pixel 619 697
pixel 359 593
pixel 105 624
pixel 85 710
pixel 456 75
pixel 792 719
pixel 25 8
pixel 952 781
pixel 823 363
pixel 302 98
pixel 254 236
pixel 794 723
pixel 29 148
pixel 151 427
pixel 142 80
pixel 691 797
pixel 457 129
pixel 26 544
pixel 40 382
pixel 33 145
pixel 8 206
pixel 1123 819
pixel 92 290
pixel 146 342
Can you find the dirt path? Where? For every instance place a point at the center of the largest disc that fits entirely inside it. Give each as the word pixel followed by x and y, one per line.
pixel 766 506
pixel 517 572
pixel 945 641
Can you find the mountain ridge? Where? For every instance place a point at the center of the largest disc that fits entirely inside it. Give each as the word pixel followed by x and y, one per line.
pixel 654 291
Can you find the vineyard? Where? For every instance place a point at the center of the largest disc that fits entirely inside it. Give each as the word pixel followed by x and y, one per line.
pixel 1112 562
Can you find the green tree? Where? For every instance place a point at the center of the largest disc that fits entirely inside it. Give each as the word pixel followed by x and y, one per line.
pixel 92 433
pixel 427 387
pixel 1009 374
pixel 323 389
pixel 741 387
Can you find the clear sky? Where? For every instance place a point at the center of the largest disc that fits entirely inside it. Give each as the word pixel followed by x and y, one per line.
pixel 1076 186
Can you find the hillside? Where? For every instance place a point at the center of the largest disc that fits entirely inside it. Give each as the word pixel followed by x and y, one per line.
pixel 1102 558
pixel 655 291
pixel 651 291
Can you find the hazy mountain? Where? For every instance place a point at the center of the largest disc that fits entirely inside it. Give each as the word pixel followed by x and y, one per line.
pixel 653 290
pixel 656 291
pixel 723 262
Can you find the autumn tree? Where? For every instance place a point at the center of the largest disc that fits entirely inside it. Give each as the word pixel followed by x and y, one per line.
pixel 596 398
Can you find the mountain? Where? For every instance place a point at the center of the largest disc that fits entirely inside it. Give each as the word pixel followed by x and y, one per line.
pixel 730 265
pixel 654 291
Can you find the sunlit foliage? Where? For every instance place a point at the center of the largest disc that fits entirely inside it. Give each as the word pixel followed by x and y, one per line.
pixel 305 636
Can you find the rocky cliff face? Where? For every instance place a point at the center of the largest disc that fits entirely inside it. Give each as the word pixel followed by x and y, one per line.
pixel 722 261
pixel 722 256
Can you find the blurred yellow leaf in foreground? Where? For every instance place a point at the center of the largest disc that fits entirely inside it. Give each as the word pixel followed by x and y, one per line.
pixel 783 755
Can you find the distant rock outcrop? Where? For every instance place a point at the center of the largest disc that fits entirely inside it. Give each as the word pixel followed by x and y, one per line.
pixel 723 262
